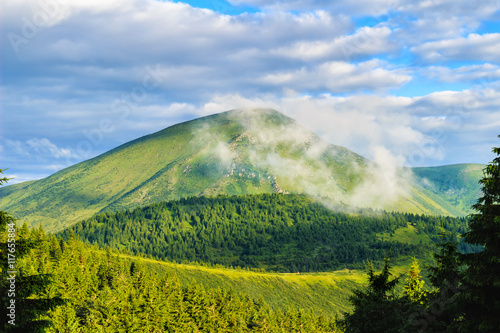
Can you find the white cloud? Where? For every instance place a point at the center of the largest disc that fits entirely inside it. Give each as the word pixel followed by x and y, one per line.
pixel 365 41
pixel 340 77
pixel 154 29
pixel 357 122
pixel 45 146
pixel 449 8
pixel 418 131
pixel 200 51
pixel 37 149
pixel 475 47
pixel 485 73
pixel 415 23
pixel 384 184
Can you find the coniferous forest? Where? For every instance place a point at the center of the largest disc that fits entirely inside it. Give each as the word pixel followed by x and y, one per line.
pixel 277 232
pixel 89 290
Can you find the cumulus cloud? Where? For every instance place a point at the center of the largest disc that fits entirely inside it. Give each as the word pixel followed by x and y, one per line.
pixel 37 148
pixel 419 22
pixel 200 51
pixel 340 77
pixel 362 7
pixel 366 41
pixel 476 47
pixel 483 73
pixel 416 21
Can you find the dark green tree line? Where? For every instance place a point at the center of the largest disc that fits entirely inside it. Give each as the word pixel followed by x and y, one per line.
pixel 286 233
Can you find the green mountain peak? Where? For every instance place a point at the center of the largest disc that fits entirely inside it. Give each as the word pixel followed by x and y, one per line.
pixel 242 151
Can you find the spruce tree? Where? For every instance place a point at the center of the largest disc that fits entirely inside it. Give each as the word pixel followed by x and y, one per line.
pixel 376 308
pixel 446 271
pixel 414 287
pixel 440 311
pixel 480 301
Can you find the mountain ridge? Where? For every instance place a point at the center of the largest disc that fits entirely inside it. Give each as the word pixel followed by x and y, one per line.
pixel 241 151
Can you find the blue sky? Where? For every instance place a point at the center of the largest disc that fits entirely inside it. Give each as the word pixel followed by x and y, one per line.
pixel 419 79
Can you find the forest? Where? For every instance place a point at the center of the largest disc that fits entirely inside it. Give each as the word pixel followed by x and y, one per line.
pixel 86 289
pixel 275 232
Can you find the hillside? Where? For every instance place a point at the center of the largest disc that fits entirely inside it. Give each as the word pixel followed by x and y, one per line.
pixel 320 293
pixel 112 292
pixel 456 184
pixel 276 232
pixel 90 278
pixel 235 152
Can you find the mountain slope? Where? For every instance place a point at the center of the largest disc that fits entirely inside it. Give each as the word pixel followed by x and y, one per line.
pixel 235 152
pixel 456 184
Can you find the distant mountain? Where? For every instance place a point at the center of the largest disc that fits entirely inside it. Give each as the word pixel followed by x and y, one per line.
pixel 456 184
pixel 235 152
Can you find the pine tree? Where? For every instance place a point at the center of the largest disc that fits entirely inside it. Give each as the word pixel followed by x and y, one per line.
pixel 445 273
pixel 480 302
pixel 414 287
pixel 441 311
pixel 376 308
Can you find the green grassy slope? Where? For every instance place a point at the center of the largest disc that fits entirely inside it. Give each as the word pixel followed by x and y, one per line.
pixel 325 293
pixel 235 152
pixel 457 185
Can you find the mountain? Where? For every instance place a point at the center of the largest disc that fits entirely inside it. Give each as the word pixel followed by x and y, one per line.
pixel 456 184
pixel 235 152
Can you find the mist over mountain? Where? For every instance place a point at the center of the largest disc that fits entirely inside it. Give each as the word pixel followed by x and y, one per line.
pixel 235 152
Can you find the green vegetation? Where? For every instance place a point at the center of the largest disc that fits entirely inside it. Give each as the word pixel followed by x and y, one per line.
pixel 104 292
pixel 277 232
pixel 23 294
pixel 456 184
pixel 479 303
pixel 236 152
pixel 466 286
pixel 325 292
pixel 376 307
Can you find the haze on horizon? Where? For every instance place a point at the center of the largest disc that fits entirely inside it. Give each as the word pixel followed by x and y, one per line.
pixel 417 80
